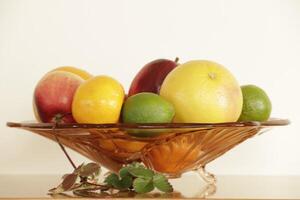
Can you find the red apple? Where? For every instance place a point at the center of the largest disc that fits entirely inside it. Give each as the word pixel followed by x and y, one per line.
pixel 151 76
pixel 53 96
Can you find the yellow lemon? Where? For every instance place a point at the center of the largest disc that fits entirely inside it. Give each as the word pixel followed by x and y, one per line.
pixel 83 74
pixel 203 92
pixel 98 100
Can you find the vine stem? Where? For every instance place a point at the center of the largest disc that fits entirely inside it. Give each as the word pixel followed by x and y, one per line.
pixel 57 120
pixel 65 152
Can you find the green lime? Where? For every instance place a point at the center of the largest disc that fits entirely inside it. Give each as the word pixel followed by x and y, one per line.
pixel 256 104
pixel 147 107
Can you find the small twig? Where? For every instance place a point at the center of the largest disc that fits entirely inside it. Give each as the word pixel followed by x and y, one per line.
pixel 78 186
pixel 104 187
pixel 62 147
pixel 65 152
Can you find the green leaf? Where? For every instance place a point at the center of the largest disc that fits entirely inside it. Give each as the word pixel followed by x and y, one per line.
pixel 141 172
pixel 162 183
pixel 111 179
pixel 124 172
pixel 69 181
pixel 124 183
pixel 121 184
pixel 89 169
pixel 143 185
pixel 134 177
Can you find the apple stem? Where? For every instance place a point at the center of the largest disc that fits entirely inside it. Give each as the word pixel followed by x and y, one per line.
pixel 57 119
pixel 176 60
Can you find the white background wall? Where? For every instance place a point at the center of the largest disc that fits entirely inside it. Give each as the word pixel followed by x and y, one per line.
pixel 259 41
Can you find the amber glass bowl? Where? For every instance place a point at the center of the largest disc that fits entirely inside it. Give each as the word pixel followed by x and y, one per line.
pixel 174 149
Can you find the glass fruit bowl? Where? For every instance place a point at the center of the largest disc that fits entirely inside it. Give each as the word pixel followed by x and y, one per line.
pixel 173 149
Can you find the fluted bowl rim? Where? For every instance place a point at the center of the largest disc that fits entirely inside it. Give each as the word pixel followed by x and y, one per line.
pixel 32 124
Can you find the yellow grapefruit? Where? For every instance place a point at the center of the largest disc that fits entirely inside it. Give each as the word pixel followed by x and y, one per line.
pixel 203 92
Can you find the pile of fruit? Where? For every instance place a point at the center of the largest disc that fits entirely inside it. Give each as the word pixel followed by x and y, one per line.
pixel 163 91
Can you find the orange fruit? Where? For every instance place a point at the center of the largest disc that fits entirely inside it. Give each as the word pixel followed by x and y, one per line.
pixel 98 100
